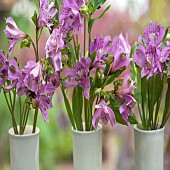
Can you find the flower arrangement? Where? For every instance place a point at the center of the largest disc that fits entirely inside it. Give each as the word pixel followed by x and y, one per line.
pixel 87 73
pixel 152 75
pixel 31 86
pixel 88 70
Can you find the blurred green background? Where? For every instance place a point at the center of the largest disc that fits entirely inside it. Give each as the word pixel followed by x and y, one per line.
pixel 129 16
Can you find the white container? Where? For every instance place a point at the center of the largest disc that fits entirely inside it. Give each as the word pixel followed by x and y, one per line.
pixel 24 150
pixel 87 149
pixel 149 149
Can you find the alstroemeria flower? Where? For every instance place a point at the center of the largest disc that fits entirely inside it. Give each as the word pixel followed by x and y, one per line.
pixel 34 77
pixel 124 94
pixel 126 107
pixel 153 34
pixel 79 76
pixel 14 72
pixel 148 59
pixel 104 113
pixel 3 68
pixel 47 14
pixel 127 86
pixel 13 33
pixel 103 47
pixel 44 101
pixel 121 53
pixel 71 14
pixel 53 49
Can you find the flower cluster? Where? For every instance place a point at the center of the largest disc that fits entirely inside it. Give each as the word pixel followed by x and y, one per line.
pixel 65 65
pixel 34 84
pixel 28 81
pixel 152 55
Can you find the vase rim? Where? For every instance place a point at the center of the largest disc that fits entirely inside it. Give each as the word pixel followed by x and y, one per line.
pixel 148 131
pixel 28 128
pixel 99 127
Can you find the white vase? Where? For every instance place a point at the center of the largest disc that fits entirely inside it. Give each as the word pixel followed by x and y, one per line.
pixel 149 149
pixel 24 150
pixel 87 149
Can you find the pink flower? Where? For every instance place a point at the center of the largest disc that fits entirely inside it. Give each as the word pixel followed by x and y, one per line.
pixel 47 14
pixel 13 33
pixel 121 52
pixel 79 76
pixel 53 49
pixel 104 113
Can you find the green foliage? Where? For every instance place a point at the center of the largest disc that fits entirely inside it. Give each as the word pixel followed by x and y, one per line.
pixel 93 20
pixel 77 105
pixel 69 111
pixel 35 18
pixel 97 3
pixel 71 54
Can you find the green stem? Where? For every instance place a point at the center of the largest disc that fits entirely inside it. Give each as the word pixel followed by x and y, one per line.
pixel 84 36
pixel 10 109
pixel 75 48
pixel 157 111
pixel 86 114
pixel 20 104
pixel 35 120
pixel 149 103
pixel 37 54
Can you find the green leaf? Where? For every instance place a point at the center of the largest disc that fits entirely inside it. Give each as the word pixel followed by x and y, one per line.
pixel 69 111
pixel 73 55
pixel 92 57
pixel 113 76
pixel 166 33
pixel 132 119
pixel 77 104
pixel 97 3
pixel 39 32
pixel 92 21
pixel 57 5
pixel 35 18
pixel 119 118
pixel 116 104
pixel 134 47
pixel 106 69
pixel 167 104
pixel 158 87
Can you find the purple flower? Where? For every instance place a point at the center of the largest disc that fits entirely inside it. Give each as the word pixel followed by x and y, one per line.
pixel 103 47
pixel 153 34
pixel 124 94
pixel 34 77
pixel 47 14
pixel 104 113
pixel 14 72
pixel 127 87
pixel 3 68
pixel 44 101
pixel 54 81
pixel 13 33
pixel 79 76
pixel 121 51
pixel 53 49
pixel 148 59
pixel 71 14
pixel 126 107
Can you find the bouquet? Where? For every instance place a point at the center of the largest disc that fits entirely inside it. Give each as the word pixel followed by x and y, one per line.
pixel 152 75
pixel 31 86
pixel 85 71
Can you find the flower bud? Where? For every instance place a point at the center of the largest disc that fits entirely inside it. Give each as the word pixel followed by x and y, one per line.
pixel 110 59
pixel 84 10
